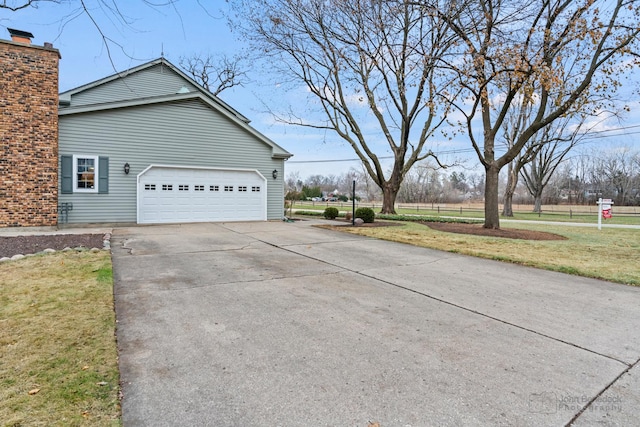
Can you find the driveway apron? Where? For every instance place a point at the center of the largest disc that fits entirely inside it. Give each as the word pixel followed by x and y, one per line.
pixel 286 324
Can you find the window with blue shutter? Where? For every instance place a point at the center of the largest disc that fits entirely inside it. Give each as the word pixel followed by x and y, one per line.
pixel 103 175
pixel 84 174
pixel 66 172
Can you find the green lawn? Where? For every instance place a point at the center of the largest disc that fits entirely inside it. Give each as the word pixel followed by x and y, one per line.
pixel 58 356
pixel 609 254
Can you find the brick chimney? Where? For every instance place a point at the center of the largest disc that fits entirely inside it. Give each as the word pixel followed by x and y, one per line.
pixel 19 36
pixel 28 133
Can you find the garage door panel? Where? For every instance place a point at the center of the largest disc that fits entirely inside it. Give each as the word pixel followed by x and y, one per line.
pixel 198 195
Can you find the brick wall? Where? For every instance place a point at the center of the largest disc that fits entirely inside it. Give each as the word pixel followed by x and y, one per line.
pixel 28 135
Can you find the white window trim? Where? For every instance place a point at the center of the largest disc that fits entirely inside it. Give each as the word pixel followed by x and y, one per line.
pixel 75 174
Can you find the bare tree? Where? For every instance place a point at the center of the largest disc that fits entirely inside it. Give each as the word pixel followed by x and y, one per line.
pixel 110 7
pixel 327 183
pixel 216 72
pixel 108 17
pixel 365 186
pixel 422 184
pixel 551 147
pixel 512 126
pixel 513 171
pixel 363 63
pixel 293 182
pixel 615 174
pixel 345 181
pixel 557 53
pixel 543 153
pixel 579 166
pixel 15 5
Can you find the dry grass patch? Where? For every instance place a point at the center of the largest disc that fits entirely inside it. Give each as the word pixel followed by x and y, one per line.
pixel 57 344
pixel 609 254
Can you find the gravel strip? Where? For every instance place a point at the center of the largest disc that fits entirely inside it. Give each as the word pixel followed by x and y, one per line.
pixel 10 246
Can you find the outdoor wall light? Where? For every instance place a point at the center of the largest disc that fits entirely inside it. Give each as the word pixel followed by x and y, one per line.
pixel 127 168
pixel 274 174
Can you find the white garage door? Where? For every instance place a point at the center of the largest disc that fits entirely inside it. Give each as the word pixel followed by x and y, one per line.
pixel 174 194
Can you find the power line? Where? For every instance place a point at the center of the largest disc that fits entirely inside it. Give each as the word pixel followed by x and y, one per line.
pixel 333 160
pixel 470 150
pixel 614 129
pixel 356 159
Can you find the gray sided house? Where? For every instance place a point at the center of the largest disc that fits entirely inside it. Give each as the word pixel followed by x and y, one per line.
pixel 149 145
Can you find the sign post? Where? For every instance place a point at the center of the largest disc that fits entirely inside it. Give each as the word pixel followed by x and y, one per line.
pixel 604 210
pixel 353 204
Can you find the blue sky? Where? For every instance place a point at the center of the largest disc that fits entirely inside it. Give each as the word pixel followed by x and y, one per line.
pixel 190 29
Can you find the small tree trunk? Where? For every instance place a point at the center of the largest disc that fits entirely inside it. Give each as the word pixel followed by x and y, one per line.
pixel 507 209
pixel 389 195
pixel 491 209
pixel 537 202
pixel 512 183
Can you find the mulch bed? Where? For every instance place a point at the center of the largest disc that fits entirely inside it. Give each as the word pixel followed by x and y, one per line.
pixel 10 246
pixel 479 230
pixel 463 228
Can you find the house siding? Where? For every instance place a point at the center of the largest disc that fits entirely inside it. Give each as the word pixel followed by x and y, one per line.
pixel 153 81
pixel 186 133
pixel 28 135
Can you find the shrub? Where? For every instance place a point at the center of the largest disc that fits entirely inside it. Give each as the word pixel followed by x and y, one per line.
pixel 366 214
pixel 331 212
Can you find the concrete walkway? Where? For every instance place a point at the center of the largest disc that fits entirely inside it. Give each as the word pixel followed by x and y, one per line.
pixel 284 324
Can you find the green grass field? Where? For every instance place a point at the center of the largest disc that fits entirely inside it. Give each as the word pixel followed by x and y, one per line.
pixel 58 356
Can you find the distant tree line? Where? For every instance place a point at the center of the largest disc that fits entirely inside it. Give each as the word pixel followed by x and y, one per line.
pixel 578 180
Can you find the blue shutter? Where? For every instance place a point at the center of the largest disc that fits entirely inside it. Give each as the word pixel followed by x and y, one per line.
pixel 66 166
pixel 103 175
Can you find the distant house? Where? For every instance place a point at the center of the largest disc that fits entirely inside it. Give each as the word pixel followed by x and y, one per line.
pixel 149 145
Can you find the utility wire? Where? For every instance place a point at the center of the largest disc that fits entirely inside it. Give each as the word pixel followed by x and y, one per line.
pixel 469 150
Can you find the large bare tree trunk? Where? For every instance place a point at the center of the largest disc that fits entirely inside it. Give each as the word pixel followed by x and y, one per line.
pixel 491 209
pixel 389 194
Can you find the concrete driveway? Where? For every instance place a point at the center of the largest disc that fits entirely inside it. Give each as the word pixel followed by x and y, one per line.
pixel 284 324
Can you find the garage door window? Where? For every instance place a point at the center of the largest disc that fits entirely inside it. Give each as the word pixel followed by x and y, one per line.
pixel 228 188
pixel 214 188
